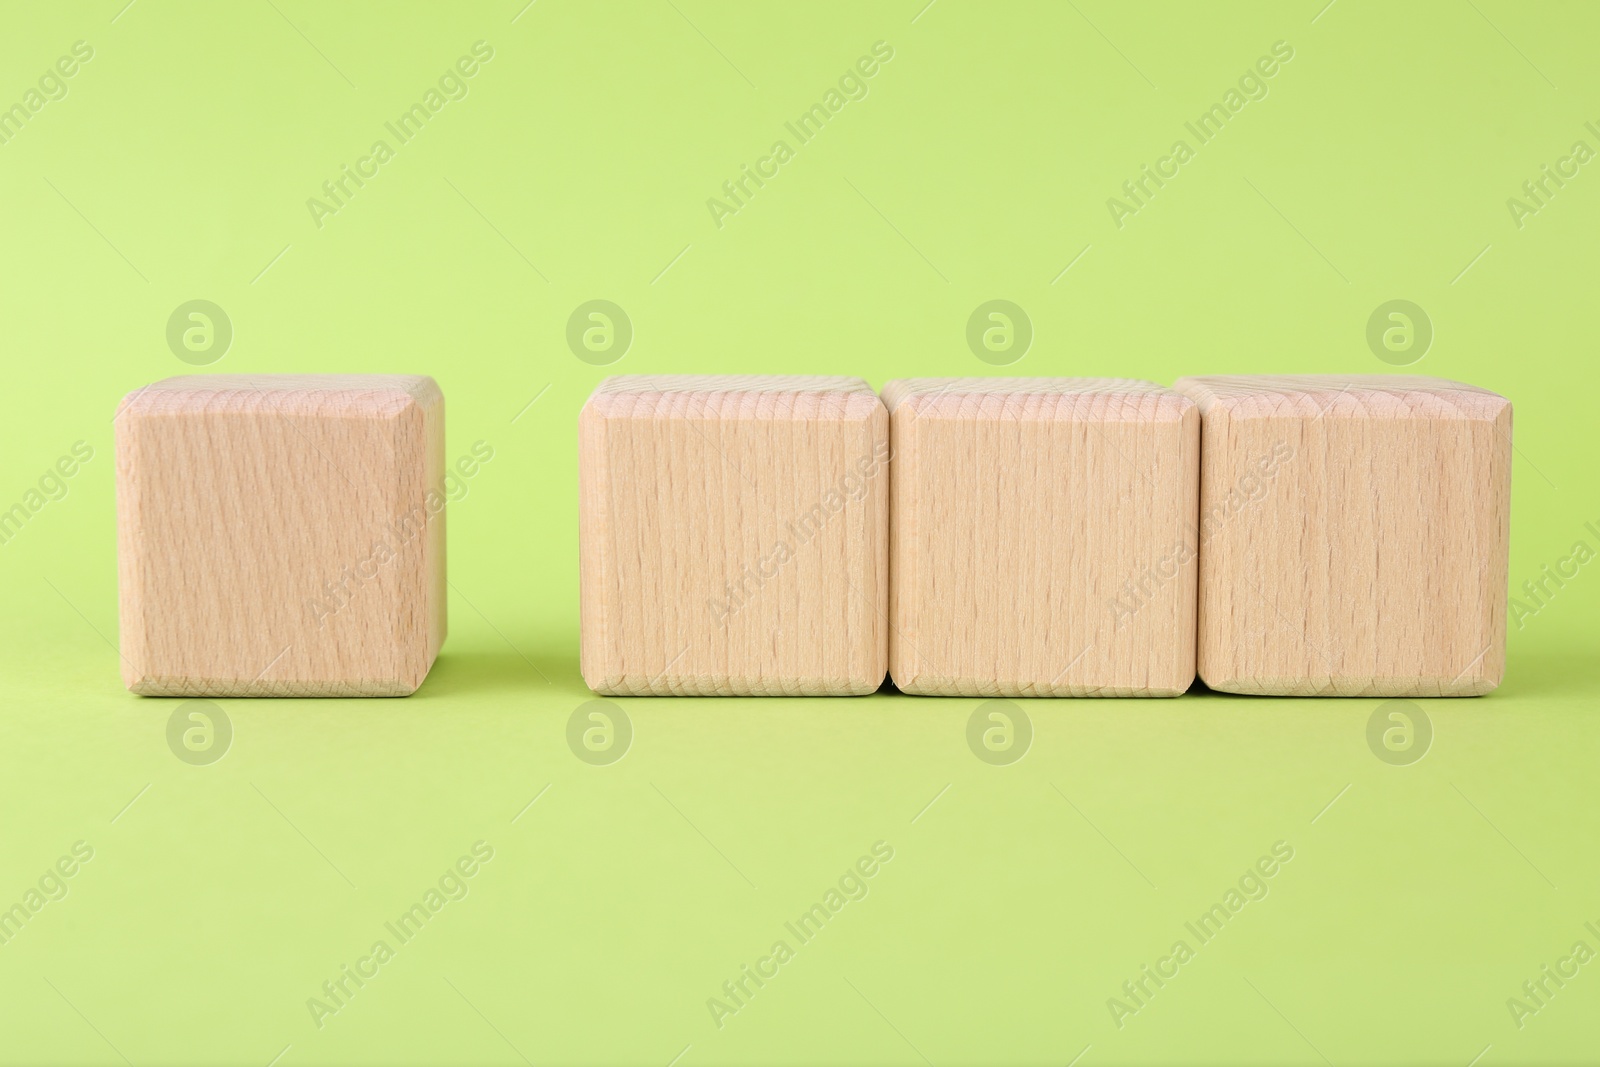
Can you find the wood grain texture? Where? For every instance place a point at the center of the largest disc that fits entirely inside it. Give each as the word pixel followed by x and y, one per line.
pixel 281 535
pixel 1354 535
pixel 1041 537
pixel 733 536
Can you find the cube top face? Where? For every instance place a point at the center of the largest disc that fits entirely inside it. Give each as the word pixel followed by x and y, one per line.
pixel 954 396
pixel 359 395
pixel 1353 535
pixel 1042 537
pixel 1246 396
pixel 733 536
pixel 281 535
pixel 734 396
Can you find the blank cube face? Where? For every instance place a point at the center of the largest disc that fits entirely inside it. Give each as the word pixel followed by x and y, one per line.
pixel 1354 535
pixel 281 535
pixel 1042 537
pixel 733 536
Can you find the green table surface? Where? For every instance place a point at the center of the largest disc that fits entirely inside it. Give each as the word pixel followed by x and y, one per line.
pixel 1415 911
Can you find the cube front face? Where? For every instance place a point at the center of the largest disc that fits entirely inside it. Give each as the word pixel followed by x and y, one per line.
pixel 1042 537
pixel 281 535
pixel 733 536
pixel 1354 536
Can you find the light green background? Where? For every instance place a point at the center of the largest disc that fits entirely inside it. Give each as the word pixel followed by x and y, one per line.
pixel 178 167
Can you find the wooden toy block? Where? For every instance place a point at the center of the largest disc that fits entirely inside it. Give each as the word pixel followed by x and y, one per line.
pixel 281 535
pixel 733 536
pixel 1041 534
pixel 1353 535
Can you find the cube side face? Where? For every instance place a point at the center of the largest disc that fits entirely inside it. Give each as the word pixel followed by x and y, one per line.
pixel 733 545
pixel 599 639
pixel 1354 554
pixel 263 555
pixel 418 435
pixel 1044 546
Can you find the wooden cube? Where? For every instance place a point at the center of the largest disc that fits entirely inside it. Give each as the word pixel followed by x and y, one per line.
pixel 733 536
pixel 1353 535
pixel 281 535
pixel 1041 535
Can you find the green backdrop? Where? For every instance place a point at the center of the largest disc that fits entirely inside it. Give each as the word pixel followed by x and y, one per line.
pixel 1383 158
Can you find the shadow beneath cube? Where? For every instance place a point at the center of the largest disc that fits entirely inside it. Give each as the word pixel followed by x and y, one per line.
pixel 1548 672
pixel 1200 689
pixel 480 672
